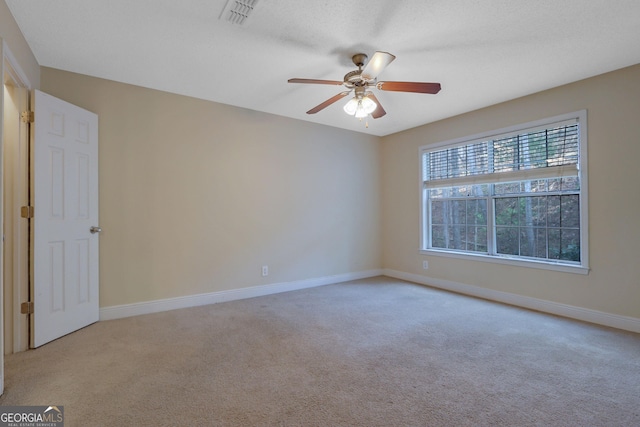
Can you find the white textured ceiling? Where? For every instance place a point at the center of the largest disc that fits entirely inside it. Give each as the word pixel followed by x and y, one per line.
pixel 481 51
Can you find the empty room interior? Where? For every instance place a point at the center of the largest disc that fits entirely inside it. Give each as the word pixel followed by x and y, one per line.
pixel 370 213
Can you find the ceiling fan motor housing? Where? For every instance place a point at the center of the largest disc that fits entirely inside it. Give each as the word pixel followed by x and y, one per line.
pixel 354 78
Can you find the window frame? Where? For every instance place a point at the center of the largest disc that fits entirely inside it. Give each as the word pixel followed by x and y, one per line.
pixel 556 265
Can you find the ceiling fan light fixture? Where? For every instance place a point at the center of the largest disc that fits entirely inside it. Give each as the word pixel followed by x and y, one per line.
pixel 351 106
pixel 360 107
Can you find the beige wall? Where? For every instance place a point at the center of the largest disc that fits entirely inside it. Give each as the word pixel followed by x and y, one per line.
pixel 196 196
pixel 613 284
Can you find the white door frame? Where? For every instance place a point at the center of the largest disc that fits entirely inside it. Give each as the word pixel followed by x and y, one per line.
pixel 11 73
pixel 20 247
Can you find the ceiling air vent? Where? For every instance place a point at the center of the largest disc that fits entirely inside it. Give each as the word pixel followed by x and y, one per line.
pixel 238 11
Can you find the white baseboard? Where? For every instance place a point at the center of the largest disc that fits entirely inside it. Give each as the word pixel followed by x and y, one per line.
pixel 593 316
pixel 147 307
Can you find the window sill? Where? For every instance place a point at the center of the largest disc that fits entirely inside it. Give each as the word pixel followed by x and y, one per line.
pixel 544 265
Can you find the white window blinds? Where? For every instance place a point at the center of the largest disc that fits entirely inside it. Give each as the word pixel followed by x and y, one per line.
pixel 547 152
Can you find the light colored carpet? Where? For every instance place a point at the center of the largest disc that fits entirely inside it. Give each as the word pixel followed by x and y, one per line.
pixel 375 352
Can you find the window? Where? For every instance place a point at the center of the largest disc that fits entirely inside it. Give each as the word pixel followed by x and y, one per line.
pixel 516 195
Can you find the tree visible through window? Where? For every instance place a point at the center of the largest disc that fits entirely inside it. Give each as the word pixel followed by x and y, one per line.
pixel 515 195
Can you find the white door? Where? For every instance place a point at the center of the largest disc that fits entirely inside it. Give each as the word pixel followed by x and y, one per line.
pixel 65 228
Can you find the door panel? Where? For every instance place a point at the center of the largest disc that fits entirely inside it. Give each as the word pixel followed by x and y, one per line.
pixel 65 199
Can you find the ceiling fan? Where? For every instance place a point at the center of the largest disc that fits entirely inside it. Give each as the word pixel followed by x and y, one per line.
pixel 361 80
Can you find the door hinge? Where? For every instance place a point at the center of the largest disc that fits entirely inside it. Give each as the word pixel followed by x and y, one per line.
pixel 26 211
pixel 28 117
pixel 26 308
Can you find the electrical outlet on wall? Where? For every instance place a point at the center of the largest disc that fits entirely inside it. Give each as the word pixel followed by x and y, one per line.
pixel 425 265
pixel 265 270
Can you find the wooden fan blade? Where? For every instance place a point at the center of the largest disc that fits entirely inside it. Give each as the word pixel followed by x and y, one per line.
pixel 328 102
pixel 376 64
pixel 317 82
pixel 416 87
pixel 379 111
